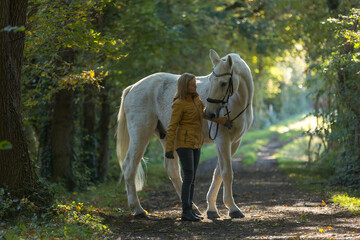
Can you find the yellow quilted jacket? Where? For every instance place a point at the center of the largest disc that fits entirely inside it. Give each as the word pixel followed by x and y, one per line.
pixel 186 122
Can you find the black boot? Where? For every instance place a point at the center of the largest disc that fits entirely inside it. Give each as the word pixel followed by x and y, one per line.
pixel 187 215
pixel 191 198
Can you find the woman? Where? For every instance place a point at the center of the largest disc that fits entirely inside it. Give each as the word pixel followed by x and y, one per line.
pixel 185 134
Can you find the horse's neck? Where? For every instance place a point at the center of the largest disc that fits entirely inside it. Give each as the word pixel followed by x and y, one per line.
pixel 246 90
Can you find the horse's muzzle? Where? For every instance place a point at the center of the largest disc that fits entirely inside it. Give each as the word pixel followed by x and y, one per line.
pixel 209 114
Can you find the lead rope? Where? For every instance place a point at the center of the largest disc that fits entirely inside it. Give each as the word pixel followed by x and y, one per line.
pixel 228 115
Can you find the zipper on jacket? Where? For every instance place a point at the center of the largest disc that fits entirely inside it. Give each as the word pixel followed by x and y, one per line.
pixel 197 109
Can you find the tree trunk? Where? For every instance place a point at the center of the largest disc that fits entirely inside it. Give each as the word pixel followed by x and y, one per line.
pixel 89 144
pixel 62 138
pixel 16 169
pixel 45 151
pixel 62 125
pixel 104 135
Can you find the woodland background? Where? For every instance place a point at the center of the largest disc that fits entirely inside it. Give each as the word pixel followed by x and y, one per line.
pixel 64 64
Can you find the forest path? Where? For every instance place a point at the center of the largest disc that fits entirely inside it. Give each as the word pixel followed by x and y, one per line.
pixel 274 208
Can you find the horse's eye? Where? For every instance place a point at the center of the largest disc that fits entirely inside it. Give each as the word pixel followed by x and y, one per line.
pixel 223 84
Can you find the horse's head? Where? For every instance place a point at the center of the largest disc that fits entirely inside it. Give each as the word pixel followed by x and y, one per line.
pixel 221 85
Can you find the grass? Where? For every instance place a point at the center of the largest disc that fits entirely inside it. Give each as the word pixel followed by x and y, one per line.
pixel 351 203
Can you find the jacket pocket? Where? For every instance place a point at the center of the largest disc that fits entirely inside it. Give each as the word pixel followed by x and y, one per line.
pixel 185 137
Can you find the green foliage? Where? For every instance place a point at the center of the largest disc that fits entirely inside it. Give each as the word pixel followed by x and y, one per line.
pixel 351 203
pixel 72 220
pixel 30 205
pixel 112 44
pixel 13 28
pixel 261 31
pixel 162 36
pixel 65 49
pixel 5 145
pixel 5 202
pixel 334 81
pixel 56 27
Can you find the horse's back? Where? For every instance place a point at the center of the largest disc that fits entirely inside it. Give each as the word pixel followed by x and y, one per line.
pixel 152 96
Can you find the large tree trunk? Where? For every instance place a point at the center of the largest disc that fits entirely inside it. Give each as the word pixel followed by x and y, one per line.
pixel 16 169
pixel 88 142
pixel 62 138
pixel 62 126
pixel 104 135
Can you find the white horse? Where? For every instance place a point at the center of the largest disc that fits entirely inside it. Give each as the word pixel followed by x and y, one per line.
pixel 146 109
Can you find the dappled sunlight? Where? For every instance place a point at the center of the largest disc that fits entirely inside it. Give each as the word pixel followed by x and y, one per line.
pixel 307 123
pixel 296 151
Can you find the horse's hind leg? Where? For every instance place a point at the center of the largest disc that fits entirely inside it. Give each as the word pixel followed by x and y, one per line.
pixel 139 139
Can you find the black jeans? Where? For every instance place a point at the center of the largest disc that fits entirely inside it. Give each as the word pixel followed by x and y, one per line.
pixel 189 159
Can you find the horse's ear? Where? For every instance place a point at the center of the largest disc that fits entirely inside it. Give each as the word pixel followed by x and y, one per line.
pixel 229 62
pixel 215 59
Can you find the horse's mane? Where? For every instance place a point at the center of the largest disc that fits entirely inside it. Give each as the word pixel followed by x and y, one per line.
pixel 241 68
pixel 237 62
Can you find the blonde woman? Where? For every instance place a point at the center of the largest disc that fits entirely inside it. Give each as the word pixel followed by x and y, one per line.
pixel 185 135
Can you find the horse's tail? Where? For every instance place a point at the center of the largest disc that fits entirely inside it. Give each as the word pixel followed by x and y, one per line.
pixel 123 140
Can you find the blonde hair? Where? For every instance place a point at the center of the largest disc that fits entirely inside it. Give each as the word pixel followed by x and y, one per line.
pixel 182 85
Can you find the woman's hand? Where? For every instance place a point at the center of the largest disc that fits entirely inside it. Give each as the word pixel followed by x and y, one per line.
pixel 228 124
pixel 169 155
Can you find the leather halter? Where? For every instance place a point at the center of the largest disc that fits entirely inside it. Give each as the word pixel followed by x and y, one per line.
pixel 229 92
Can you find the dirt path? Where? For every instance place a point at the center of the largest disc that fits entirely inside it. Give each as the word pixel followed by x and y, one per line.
pixel 273 207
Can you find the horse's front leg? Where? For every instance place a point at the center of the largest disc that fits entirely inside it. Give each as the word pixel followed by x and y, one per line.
pixel 224 158
pixel 211 196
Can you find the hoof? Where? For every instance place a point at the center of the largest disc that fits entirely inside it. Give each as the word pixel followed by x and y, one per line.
pixel 236 214
pixel 142 215
pixel 213 215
